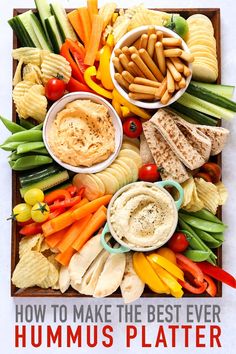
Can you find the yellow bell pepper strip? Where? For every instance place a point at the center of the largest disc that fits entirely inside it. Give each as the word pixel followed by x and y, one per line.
pixel 136 110
pixel 117 107
pixel 167 265
pixel 114 17
pixel 110 40
pixel 167 278
pixel 88 74
pixel 126 112
pixel 167 253
pixel 105 55
pixel 98 76
pixel 147 274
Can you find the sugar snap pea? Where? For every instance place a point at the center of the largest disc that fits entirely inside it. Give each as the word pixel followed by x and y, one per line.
pixel 201 224
pixel 219 236
pixel 205 236
pixel 31 146
pixel 42 151
pixel 37 127
pixel 11 146
pixel 11 126
pixel 27 135
pixel 26 123
pixel 215 244
pixel 197 255
pixel 31 161
pixel 203 214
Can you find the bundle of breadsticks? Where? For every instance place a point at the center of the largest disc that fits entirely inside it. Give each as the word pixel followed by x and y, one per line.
pixel 153 68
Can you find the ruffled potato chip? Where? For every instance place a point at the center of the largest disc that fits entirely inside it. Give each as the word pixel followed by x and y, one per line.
pixel 208 193
pixel 34 103
pixel 32 268
pixel 29 55
pixel 28 243
pixel 188 187
pixel 55 65
pixel 32 72
pixel 51 278
pixel 223 193
pixel 17 76
pixel 20 90
pixel 196 203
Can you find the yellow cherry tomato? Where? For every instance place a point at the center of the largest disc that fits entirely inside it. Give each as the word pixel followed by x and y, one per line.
pixel 22 212
pixel 40 212
pixel 34 195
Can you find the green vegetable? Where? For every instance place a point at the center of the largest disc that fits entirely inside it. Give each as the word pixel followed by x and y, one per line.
pixel 27 135
pixel 66 30
pixel 197 255
pixel 47 183
pixel 37 127
pixel 26 147
pixel 215 244
pixel 202 224
pixel 42 151
pixel 21 32
pixel 11 145
pixel 26 123
pixel 31 177
pixel 205 107
pixel 209 96
pixel 179 25
pixel 219 237
pixel 52 30
pixel 206 237
pixel 203 214
pixel 223 90
pixel 11 126
pixel 31 161
pixel 198 117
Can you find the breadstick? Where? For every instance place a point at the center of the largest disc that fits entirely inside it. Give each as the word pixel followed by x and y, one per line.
pixel 151 65
pixel 121 81
pixel 176 75
pixel 143 89
pixel 178 64
pixel 127 76
pixel 117 64
pixel 134 69
pixel 143 67
pixel 151 30
pixel 117 52
pixel 146 82
pixel 177 86
pixel 160 57
pixel 187 56
pixel 151 44
pixel 133 50
pixel 182 83
pixel 141 96
pixel 187 71
pixel 166 97
pixel 162 88
pixel 159 35
pixel 171 42
pixel 124 61
pixel 170 82
pixel 126 51
pixel 172 53
pixel 143 41
pixel 137 43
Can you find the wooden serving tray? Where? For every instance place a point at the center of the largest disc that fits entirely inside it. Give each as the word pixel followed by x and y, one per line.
pixel 214 16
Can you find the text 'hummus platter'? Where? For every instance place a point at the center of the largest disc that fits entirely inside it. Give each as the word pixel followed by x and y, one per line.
pixel 115 147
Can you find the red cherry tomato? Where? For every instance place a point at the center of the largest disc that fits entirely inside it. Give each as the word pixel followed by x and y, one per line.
pixel 203 175
pixel 55 89
pixel 213 170
pixel 149 173
pixel 132 127
pixel 178 242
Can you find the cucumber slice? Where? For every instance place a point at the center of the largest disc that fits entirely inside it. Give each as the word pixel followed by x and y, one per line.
pixel 193 114
pixel 25 18
pixel 39 31
pixel 22 34
pixel 209 96
pixel 35 176
pixel 53 33
pixel 223 90
pixel 47 183
pixel 63 23
pixel 200 105
pixel 44 12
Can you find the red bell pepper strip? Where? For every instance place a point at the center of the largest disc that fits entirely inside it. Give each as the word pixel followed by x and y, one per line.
pixel 55 213
pixel 192 289
pixel 30 221
pixel 73 190
pixel 67 203
pixel 74 86
pixel 31 229
pixel 190 266
pixel 211 287
pixel 81 192
pixel 60 194
pixel 67 50
pixel 218 273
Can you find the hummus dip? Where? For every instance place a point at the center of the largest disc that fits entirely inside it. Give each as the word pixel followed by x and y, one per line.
pixel 143 216
pixel 82 134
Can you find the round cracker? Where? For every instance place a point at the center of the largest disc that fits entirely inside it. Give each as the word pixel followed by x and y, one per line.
pixel 122 170
pixel 202 48
pixel 110 182
pixel 129 161
pixel 133 155
pixel 92 190
pixel 127 168
pixel 203 72
pixel 119 175
pixel 100 183
pixel 133 141
pixel 129 146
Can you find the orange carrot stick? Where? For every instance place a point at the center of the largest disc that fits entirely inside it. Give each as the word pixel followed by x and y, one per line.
pixel 73 232
pixel 75 21
pixel 55 238
pixel 92 6
pixel 90 207
pixel 93 44
pixel 65 257
pixel 86 24
pixel 97 221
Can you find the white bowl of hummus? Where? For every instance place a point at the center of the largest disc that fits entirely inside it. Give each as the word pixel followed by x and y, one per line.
pixel 82 132
pixel 142 216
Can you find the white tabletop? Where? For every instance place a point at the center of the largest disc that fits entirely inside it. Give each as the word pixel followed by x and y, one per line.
pixel 227 302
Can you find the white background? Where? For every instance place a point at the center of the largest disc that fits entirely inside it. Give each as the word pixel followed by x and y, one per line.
pixel 227 303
